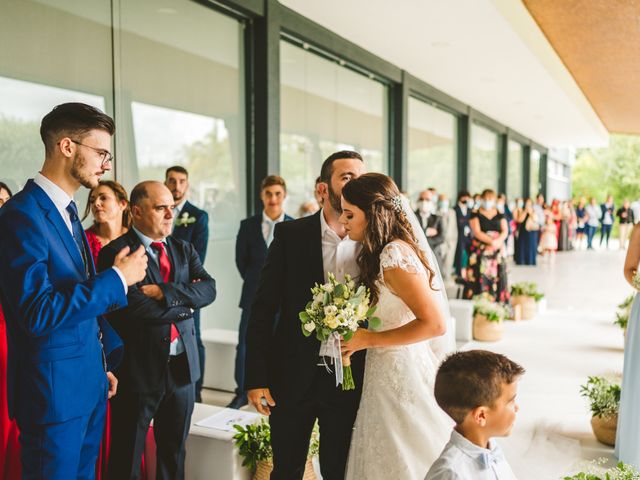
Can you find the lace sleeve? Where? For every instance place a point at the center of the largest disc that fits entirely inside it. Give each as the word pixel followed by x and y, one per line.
pixel 394 255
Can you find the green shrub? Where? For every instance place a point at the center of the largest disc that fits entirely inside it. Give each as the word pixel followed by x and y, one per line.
pixel 528 289
pixel 603 394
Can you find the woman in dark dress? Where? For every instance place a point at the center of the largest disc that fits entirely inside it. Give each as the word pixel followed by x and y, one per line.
pixel 581 217
pixel 487 272
pixel 10 467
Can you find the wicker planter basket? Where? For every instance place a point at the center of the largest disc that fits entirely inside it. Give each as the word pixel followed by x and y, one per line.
pixel 605 429
pixel 486 331
pixel 264 468
pixel 527 304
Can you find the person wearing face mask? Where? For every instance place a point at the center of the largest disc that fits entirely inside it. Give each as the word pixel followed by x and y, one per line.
pixel 528 232
pixel 606 219
pixel 487 272
pixel 432 224
pixel 503 207
pixel 463 208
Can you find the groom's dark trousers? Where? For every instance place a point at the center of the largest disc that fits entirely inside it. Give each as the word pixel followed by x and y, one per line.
pixel 281 358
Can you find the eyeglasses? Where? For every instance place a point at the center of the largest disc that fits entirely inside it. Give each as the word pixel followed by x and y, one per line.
pixel 105 155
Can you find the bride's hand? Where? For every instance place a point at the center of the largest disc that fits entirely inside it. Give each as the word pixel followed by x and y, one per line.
pixel 359 341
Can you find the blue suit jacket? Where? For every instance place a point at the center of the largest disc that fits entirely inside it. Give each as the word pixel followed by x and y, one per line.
pixel 251 253
pixel 196 233
pixel 53 313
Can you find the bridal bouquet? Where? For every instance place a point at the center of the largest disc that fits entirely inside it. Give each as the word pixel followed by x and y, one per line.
pixel 335 312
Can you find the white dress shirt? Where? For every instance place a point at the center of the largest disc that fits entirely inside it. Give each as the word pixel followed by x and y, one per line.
pixel 269 225
pixel 464 460
pixel 338 254
pixel 177 346
pixel 61 201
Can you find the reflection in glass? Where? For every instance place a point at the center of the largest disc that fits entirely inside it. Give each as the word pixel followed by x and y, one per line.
pixel 534 176
pixel 182 103
pixel 326 107
pixel 483 164
pixel 432 154
pixel 514 170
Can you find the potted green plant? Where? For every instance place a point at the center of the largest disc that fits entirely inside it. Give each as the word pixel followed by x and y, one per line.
pixel 254 445
pixel 623 313
pixel 488 318
pixel 622 471
pixel 527 296
pixel 604 399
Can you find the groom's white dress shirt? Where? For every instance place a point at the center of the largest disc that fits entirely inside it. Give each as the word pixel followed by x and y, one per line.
pixel 464 460
pixel 338 254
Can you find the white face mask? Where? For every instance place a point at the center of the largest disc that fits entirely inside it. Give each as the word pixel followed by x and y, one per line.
pixel 469 203
pixel 424 206
pixel 489 204
pixel 444 205
pixel 500 207
pixel 520 204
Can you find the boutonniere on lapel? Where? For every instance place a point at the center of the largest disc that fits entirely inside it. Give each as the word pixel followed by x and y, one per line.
pixel 185 220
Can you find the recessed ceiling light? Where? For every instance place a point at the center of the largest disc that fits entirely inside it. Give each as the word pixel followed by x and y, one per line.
pixel 167 11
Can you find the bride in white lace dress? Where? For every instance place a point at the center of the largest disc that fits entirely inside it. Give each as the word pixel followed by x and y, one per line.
pixel 400 430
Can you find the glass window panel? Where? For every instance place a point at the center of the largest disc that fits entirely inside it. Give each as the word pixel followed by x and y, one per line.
pixel 432 157
pixel 483 165
pixel 34 77
pixel 325 107
pixel 181 102
pixel 534 176
pixel 514 170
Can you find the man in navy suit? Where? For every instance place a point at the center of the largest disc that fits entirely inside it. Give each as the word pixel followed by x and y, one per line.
pixel 61 351
pixel 191 225
pixel 253 240
pixel 160 365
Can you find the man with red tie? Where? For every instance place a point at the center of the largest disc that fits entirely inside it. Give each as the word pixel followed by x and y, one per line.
pixel 160 365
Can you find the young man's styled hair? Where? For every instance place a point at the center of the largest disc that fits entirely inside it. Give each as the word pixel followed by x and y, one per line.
pixel 177 169
pixel 327 166
pixel 72 120
pixel 272 180
pixel 467 380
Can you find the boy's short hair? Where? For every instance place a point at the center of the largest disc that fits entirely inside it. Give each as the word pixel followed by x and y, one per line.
pixel 272 180
pixel 467 380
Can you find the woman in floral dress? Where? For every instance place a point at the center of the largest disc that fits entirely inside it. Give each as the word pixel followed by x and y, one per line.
pixel 487 270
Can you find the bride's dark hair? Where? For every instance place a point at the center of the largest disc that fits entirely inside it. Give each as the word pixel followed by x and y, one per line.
pixel 374 194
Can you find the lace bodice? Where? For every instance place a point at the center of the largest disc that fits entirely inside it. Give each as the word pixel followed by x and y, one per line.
pixel 391 309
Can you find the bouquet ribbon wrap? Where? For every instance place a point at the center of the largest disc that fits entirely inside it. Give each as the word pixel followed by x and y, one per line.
pixel 331 348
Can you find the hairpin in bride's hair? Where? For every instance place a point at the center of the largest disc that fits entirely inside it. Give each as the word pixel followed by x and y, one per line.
pixel 397 203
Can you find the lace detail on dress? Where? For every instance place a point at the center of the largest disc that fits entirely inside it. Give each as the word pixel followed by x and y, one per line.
pixel 395 255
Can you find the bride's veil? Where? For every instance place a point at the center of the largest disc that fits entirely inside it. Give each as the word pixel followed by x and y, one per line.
pixel 445 344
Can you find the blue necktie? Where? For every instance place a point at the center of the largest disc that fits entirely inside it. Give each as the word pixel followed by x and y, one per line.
pixel 78 236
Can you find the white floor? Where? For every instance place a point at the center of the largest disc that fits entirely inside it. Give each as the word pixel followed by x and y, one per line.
pixel 560 348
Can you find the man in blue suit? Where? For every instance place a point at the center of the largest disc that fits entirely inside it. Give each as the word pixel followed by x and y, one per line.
pixel 191 225
pixel 253 240
pixel 61 351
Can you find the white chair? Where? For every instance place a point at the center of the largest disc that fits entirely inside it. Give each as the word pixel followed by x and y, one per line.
pixel 462 312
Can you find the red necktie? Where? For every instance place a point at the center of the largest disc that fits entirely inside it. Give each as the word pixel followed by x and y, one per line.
pixel 165 272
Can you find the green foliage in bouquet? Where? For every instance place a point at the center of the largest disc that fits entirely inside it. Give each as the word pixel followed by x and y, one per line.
pixel 624 310
pixel 254 443
pixel 622 471
pixel 485 305
pixel 528 289
pixel 603 394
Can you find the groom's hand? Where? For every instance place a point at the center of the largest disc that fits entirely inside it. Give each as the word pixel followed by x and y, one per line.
pixel 255 397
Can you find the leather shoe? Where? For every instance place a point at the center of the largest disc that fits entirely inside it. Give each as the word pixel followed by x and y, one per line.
pixel 238 402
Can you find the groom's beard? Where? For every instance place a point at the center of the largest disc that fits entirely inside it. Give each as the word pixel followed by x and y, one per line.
pixel 334 200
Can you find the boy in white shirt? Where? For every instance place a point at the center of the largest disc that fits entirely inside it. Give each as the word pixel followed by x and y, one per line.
pixel 478 390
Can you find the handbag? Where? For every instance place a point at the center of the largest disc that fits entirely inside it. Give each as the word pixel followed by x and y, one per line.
pixel 530 225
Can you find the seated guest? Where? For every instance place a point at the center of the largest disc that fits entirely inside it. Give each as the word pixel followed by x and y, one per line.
pixel 431 223
pixel 9 445
pixel 160 365
pixel 109 206
pixel 254 237
pixel 477 389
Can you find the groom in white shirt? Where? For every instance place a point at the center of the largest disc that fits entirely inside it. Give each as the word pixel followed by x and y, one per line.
pixel 285 377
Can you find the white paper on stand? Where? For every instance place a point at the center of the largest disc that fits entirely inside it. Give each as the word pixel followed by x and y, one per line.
pixel 227 418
